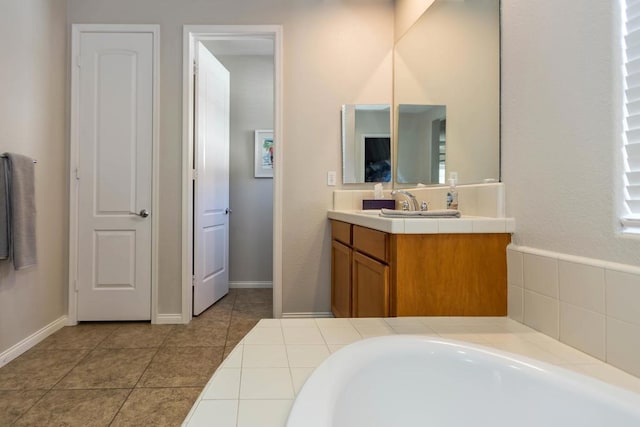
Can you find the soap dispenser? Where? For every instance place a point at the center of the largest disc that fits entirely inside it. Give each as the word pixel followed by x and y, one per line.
pixel 452 194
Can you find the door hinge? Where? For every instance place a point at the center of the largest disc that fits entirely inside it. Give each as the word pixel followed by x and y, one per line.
pixel 75 285
pixel 195 68
pixel 77 174
pixel 79 61
pixel 194 174
pixel 193 280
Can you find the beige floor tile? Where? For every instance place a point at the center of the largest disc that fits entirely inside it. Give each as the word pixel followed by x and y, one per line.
pixel 264 296
pixel 109 368
pixel 254 312
pixel 196 335
pixel 75 408
pixel 39 369
pixel 182 367
pixel 82 336
pixel 156 407
pixel 14 403
pixel 238 329
pixel 137 335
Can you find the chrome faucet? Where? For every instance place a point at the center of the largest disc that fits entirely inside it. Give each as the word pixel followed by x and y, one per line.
pixel 414 201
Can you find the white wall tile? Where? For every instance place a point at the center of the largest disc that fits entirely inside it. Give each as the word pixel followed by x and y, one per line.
pixel 264 356
pixel 299 377
pixel 299 323
pixel 623 345
pixel 487 200
pixel 541 313
pixel 224 412
pixel 306 356
pixel 266 383
pixel 340 335
pixel 583 329
pixel 225 384
pixel 268 323
pixel 515 268
pixel 342 200
pixel 492 225
pixel 263 413
pixel 234 360
pixel 623 296
pixel 467 200
pixel 581 285
pixel 452 225
pixel 264 336
pixel 541 275
pixel 302 336
pixel 515 303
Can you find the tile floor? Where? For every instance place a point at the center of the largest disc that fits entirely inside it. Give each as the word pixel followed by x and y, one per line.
pixel 255 386
pixel 125 374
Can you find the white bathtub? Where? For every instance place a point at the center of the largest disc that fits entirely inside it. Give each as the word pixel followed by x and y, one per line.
pixel 405 380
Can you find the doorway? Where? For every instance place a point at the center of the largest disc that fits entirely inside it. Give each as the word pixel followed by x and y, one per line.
pixel 229 35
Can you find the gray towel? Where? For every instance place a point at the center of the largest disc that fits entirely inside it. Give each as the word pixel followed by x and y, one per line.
pixel 22 210
pixel 4 213
pixel 442 213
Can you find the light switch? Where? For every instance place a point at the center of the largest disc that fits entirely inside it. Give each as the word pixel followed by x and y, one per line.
pixel 331 178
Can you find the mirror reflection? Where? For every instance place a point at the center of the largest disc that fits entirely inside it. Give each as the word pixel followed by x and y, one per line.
pixel 422 131
pixel 366 143
pixel 451 56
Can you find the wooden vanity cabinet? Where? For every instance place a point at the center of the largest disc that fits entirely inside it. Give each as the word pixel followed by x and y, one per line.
pixel 377 274
pixel 341 254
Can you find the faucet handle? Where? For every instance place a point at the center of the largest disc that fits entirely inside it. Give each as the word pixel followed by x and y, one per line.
pixel 424 206
pixel 404 205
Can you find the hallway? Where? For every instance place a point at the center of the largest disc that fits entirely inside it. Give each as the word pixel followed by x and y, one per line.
pixel 125 373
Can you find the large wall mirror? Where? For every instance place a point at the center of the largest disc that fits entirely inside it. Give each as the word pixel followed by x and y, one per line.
pixel 366 143
pixel 449 57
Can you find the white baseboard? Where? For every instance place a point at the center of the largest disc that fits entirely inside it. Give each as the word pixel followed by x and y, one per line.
pixel 30 341
pixel 169 319
pixel 247 285
pixel 321 314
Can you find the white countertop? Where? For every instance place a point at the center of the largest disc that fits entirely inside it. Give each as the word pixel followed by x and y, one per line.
pixel 424 225
pixel 256 384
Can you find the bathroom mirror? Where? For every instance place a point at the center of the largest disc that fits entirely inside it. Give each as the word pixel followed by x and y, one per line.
pixel 366 143
pixel 451 56
pixel 421 151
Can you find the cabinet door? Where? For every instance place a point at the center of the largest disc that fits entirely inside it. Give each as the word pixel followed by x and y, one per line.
pixel 370 287
pixel 340 279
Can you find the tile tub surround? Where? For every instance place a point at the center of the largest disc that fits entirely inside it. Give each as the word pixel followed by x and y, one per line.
pixel 483 200
pixel 257 383
pixel 589 304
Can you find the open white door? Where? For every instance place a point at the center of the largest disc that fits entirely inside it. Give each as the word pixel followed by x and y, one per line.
pixel 114 127
pixel 211 204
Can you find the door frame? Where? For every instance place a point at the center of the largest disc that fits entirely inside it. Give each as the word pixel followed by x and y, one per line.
pixel 191 34
pixel 75 167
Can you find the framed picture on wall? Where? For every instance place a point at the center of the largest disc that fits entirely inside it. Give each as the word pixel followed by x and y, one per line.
pixel 263 154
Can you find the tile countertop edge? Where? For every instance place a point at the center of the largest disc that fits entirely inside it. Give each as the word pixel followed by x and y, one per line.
pixel 413 225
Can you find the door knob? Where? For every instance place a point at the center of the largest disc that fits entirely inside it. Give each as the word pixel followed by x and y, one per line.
pixel 227 211
pixel 143 213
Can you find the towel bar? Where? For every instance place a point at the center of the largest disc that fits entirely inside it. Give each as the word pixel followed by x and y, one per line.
pixel 35 161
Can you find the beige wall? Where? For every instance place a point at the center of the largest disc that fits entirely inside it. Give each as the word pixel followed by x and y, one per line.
pixel 250 199
pixel 32 122
pixel 335 52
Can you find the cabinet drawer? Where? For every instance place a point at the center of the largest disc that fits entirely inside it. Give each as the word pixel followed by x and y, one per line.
pixel 341 231
pixel 371 242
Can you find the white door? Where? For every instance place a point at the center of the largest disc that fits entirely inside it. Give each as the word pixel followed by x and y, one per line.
pixel 115 134
pixel 211 201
